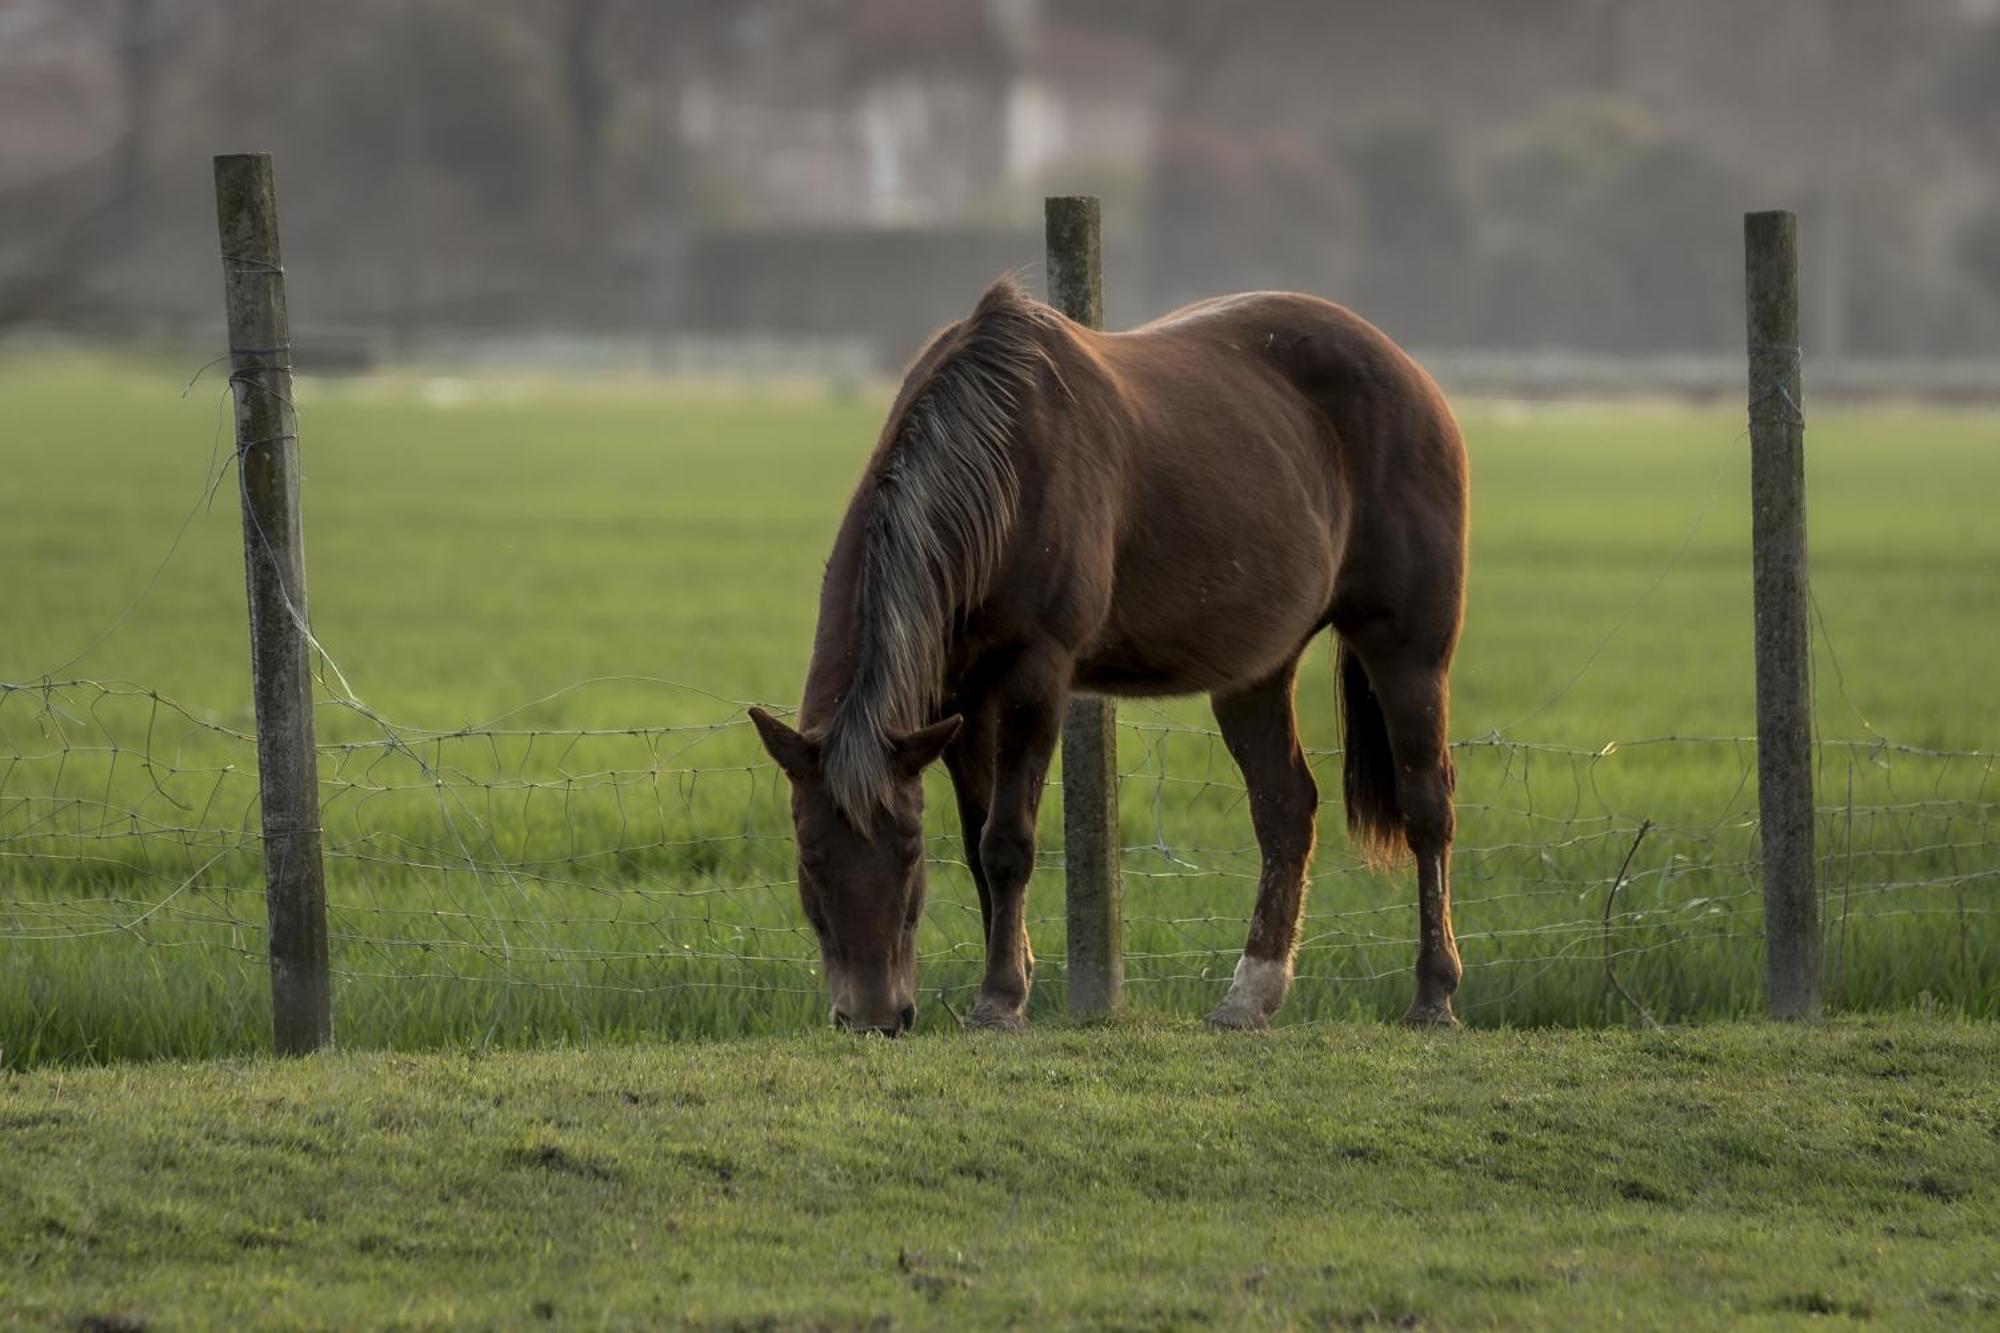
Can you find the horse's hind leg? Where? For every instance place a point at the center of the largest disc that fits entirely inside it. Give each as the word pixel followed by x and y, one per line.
pixel 1262 734
pixel 1412 690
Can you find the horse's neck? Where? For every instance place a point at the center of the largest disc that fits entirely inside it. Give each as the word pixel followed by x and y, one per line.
pixel 948 508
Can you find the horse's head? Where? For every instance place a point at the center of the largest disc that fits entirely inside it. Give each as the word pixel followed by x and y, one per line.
pixel 862 886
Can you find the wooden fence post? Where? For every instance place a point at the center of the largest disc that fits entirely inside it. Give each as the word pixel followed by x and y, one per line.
pixel 1090 731
pixel 1784 691
pixel 267 466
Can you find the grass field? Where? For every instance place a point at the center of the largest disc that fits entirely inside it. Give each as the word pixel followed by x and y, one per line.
pixel 560 596
pixel 1140 1176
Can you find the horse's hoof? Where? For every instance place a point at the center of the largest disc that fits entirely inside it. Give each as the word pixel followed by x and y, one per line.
pixel 1430 1015
pixel 994 1018
pixel 1254 994
pixel 1238 1018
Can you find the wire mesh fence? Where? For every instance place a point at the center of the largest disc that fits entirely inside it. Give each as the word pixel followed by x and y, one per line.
pixel 513 883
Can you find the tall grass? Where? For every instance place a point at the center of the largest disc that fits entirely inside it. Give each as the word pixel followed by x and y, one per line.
pixel 517 857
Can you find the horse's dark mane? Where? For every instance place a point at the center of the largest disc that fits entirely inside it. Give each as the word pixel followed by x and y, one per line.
pixel 940 514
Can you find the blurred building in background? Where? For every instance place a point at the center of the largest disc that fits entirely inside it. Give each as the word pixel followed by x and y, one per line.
pixel 1545 176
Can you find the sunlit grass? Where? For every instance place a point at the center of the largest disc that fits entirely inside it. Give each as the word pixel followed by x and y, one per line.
pixel 1137 1175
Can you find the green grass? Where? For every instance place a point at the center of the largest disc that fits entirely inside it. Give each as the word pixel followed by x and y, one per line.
pixel 1140 1176
pixel 476 551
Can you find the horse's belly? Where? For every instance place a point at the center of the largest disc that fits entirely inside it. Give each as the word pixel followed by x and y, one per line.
pixel 1204 635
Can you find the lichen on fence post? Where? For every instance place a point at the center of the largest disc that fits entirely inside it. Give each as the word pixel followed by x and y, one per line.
pixel 1095 906
pixel 267 468
pixel 1792 944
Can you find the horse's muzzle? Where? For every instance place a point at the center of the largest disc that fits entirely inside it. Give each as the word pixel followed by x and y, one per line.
pixel 905 1019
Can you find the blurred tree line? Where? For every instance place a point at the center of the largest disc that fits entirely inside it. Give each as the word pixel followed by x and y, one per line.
pixel 1541 174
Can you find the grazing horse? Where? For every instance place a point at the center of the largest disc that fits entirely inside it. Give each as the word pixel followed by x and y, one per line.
pixel 1173 510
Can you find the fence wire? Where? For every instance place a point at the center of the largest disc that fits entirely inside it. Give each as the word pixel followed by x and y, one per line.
pixel 509 882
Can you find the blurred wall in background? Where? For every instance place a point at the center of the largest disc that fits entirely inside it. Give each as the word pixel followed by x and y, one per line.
pixel 1534 175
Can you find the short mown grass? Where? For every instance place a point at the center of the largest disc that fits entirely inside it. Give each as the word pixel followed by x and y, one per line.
pixel 1142 1175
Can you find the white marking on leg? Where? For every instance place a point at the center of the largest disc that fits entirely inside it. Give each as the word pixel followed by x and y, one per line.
pixel 1259 985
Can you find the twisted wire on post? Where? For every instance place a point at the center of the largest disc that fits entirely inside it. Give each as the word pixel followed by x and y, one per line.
pixel 1774 365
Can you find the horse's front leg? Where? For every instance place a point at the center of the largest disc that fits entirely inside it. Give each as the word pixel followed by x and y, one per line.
pixel 1028 718
pixel 969 759
pixel 1259 727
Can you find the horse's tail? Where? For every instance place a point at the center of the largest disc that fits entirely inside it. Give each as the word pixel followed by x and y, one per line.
pixel 1368 772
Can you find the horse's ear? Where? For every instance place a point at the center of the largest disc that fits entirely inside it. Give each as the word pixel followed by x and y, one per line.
pixel 915 751
pixel 795 754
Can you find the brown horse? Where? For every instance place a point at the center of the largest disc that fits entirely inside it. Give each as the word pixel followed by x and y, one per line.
pixel 1173 510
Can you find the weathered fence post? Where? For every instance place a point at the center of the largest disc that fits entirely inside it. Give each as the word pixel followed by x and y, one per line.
pixel 1784 692
pixel 1090 731
pixel 267 466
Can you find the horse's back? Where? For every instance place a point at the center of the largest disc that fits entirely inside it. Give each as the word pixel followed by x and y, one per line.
pixel 1342 364
pixel 1250 365
pixel 1268 438
pixel 1397 450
